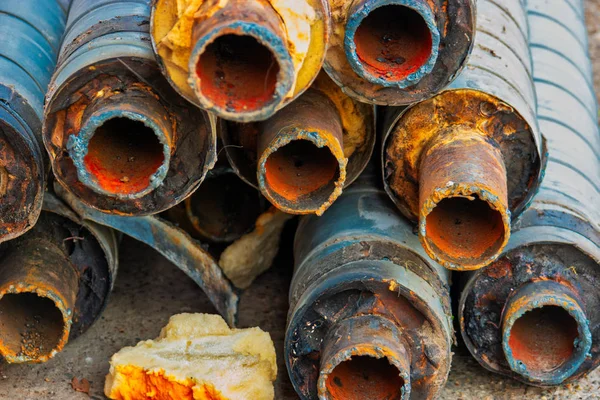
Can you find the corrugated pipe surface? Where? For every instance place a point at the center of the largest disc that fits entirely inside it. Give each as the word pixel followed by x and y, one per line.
pixel 534 313
pixel 31 32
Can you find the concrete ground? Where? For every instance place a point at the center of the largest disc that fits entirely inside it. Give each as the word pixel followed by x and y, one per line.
pixel 149 290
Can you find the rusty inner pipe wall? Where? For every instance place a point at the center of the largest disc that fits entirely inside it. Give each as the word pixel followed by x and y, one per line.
pixel 54 282
pixel 119 137
pixel 463 162
pixel 395 52
pixel 533 314
pixel 241 59
pixel 369 311
pixel 303 156
pixel 31 35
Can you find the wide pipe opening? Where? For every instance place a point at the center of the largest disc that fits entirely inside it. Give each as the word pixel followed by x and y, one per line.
pixel 543 339
pixel 237 73
pixel 393 42
pixel 224 207
pixel 464 231
pixel 364 377
pixel 31 326
pixel 302 170
pixel 123 155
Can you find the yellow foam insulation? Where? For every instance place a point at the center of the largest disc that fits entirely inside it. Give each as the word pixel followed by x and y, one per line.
pixel 253 253
pixel 196 357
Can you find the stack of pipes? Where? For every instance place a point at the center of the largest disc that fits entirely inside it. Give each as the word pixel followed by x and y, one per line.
pixel 417 138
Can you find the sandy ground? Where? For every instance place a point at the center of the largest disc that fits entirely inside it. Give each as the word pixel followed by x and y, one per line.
pixel 150 289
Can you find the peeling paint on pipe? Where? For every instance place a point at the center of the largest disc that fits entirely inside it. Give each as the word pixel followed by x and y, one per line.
pixel 31 35
pixel 396 52
pixel 119 137
pixel 54 283
pixel 241 59
pixel 542 295
pixel 464 162
pixel 302 157
pixel 369 311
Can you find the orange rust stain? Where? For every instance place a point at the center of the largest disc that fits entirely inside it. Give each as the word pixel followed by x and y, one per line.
pixel 499 269
pixel 237 73
pixel 300 168
pixel 137 384
pixel 123 155
pixel 543 339
pixel 361 376
pixel 393 42
pixel 465 229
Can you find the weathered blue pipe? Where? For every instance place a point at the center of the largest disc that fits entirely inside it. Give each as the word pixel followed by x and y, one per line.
pixel 107 73
pixel 31 32
pixel 360 266
pixel 556 242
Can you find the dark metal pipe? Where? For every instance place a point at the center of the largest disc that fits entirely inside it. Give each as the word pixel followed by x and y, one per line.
pixel 369 311
pixel 241 59
pixel 533 314
pixel 302 157
pixel 396 52
pixel 31 35
pixel 119 137
pixel 464 161
pixel 54 283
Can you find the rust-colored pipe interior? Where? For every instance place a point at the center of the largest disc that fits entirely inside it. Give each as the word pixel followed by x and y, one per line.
pixel 224 207
pixel 31 326
pixel 393 42
pixel 464 229
pixel 543 339
pixel 364 377
pixel 123 154
pixel 300 168
pixel 237 73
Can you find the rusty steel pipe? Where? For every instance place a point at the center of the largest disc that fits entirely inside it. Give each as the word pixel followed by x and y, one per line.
pixel 31 35
pixel 395 52
pixel 54 282
pixel 302 157
pixel 369 311
pixel 241 59
pixel 533 314
pixel 119 137
pixel 463 162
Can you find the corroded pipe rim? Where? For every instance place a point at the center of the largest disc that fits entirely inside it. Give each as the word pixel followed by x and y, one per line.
pixel 264 36
pixel 363 11
pixel 319 141
pixel 514 310
pixel 77 146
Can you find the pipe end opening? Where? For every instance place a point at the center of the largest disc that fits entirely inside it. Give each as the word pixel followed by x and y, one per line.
pixel 301 172
pixel 237 73
pixel 124 156
pixel 392 43
pixel 362 375
pixel 465 231
pixel 31 327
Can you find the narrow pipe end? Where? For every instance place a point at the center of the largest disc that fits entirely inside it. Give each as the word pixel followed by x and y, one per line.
pixel 392 43
pixel 241 71
pixel 364 355
pixel 464 220
pixel 545 332
pixel 122 151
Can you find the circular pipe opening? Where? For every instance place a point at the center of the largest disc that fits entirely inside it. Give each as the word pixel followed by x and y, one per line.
pixel 123 156
pixel 224 208
pixel 300 170
pixel 393 45
pixel 363 376
pixel 237 73
pixel 464 231
pixel 543 340
pixel 31 326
